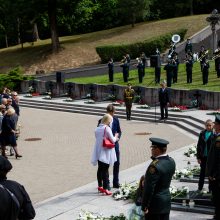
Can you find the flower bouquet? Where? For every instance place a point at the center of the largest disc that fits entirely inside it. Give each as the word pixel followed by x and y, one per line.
pixel 86 215
pixel 179 108
pixel 191 152
pixel 118 103
pixel 179 192
pixel 126 191
pixel 68 99
pixel 29 95
pixel 145 106
pixel 182 173
pixel 90 101
pixel 47 97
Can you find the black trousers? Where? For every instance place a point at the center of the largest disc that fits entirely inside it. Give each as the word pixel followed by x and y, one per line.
pixel 125 76
pixel 202 173
pixel 116 166
pixel 216 197
pixel 102 175
pixel 163 108
pixel 189 76
pixel 205 75
pixel 140 76
pixel 110 73
pixel 165 216
pixel 157 74
pixel 128 110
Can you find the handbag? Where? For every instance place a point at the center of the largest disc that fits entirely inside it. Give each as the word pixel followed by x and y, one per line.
pixel 107 143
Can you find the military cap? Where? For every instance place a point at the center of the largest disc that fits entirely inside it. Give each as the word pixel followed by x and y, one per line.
pixel 5 164
pixel 161 143
pixel 217 118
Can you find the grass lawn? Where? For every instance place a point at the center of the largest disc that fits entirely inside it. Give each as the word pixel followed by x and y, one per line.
pixel 148 81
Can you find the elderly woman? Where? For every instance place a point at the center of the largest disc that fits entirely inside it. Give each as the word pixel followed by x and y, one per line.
pixel 102 155
pixel 8 133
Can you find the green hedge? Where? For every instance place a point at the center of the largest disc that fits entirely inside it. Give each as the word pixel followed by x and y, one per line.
pixel 149 47
pixel 12 79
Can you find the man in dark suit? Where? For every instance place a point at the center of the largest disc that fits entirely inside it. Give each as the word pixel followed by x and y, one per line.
pixel 164 100
pixel 115 126
pixel 156 201
pixel 213 167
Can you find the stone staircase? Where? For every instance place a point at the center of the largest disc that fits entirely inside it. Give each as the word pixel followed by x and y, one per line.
pixel 186 122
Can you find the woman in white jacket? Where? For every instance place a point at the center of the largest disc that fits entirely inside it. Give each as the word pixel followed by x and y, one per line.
pixel 102 155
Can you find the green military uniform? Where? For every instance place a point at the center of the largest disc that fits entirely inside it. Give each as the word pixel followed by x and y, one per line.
pixel 156 196
pixel 128 99
pixel 213 169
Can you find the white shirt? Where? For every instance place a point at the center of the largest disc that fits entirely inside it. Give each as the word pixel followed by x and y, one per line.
pixel 101 153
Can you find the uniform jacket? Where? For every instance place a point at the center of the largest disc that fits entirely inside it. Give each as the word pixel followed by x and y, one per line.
pixel 128 96
pixel 8 211
pixel 156 195
pixel 101 153
pixel 202 144
pixel 164 96
pixel 213 161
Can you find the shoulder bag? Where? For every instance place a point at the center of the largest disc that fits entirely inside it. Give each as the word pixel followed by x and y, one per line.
pixel 107 143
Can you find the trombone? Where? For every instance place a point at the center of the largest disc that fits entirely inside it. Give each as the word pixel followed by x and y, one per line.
pixel 203 55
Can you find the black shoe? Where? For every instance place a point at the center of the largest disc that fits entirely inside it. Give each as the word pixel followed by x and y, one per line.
pixel 116 186
pixel 161 119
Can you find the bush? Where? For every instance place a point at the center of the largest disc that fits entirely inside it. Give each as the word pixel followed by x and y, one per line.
pixel 148 46
pixel 12 79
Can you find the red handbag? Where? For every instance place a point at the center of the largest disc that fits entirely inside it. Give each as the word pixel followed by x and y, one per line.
pixel 107 143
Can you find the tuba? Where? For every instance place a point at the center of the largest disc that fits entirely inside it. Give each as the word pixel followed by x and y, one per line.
pixel 175 39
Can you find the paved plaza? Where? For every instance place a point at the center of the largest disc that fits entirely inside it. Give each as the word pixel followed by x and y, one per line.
pixel 59 165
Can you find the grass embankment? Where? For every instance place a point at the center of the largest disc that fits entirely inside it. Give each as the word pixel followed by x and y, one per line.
pixel 79 50
pixel 148 81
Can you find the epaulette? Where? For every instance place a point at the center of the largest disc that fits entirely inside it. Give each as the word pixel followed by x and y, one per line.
pixel 154 162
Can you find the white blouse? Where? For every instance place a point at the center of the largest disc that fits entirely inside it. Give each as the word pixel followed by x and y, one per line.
pixel 101 153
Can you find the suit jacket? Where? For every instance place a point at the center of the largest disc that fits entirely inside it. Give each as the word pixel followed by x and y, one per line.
pixel 156 195
pixel 164 96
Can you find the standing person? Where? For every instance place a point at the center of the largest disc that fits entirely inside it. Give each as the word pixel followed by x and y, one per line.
pixel 169 71
pixel 164 99
pixel 205 71
pixel 140 68
pixel 189 67
pixel 156 201
pixel 116 129
pixel 203 54
pixel 124 65
pixel 15 201
pixel 143 59
pixel 8 136
pixel 110 69
pixel 217 60
pixel 128 58
pixel 188 47
pixel 203 147
pixel 213 167
pixel 128 99
pixel 102 155
pixel 175 68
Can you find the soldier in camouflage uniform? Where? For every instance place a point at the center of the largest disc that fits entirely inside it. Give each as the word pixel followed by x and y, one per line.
pixel 128 99
pixel 156 202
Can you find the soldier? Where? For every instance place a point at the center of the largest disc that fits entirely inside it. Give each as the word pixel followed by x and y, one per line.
pixel 164 100
pixel 128 99
pixel 213 167
pixel 189 67
pixel 188 47
pixel 175 67
pixel 125 67
pixel 140 67
pixel 143 59
pixel 169 71
pixel 205 71
pixel 156 202
pixel 110 69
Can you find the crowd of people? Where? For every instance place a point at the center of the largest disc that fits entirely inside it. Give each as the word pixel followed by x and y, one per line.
pixel 9 114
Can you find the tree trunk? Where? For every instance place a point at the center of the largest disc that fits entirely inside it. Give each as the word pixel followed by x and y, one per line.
pixel 53 25
pixel 35 33
pixel 6 40
pixel 18 31
pixel 133 19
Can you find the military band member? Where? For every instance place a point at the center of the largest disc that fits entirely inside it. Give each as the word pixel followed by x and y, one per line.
pixel 175 68
pixel 213 167
pixel 140 67
pixel 143 59
pixel 110 69
pixel 203 55
pixel 169 71
pixel 189 67
pixel 164 98
pixel 156 201
pixel 217 60
pixel 188 47
pixel 124 65
pixel 205 71
pixel 128 99
pixel 128 62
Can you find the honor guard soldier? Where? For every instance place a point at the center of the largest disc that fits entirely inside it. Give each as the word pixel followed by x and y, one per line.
pixel 128 99
pixel 125 67
pixel 213 167
pixel 140 67
pixel 156 201
pixel 189 67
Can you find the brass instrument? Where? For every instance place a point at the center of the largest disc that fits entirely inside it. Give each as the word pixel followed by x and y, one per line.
pixel 203 55
pixel 175 39
pixel 217 54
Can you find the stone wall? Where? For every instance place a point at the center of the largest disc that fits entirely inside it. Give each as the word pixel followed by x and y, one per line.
pixel 149 96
